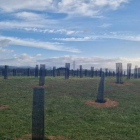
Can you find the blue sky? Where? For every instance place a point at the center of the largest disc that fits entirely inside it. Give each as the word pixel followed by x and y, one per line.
pixel 95 33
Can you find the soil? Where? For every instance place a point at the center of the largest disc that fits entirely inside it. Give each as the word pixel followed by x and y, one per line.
pixel 3 106
pixel 123 84
pixel 29 137
pixel 107 104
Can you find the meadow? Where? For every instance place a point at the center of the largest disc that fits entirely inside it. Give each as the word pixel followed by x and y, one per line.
pixel 66 113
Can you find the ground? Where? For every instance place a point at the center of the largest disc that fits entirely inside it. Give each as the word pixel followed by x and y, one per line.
pixel 66 113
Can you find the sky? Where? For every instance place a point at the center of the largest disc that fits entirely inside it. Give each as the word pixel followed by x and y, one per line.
pixel 93 33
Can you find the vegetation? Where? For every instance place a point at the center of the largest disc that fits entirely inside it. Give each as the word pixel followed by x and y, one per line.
pixel 66 113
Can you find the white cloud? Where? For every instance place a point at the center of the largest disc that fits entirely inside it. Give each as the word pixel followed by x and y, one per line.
pixel 60 31
pixel 18 24
pixel 30 21
pixel 87 62
pixel 15 5
pixel 34 17
pixel 37 55
pixel 27 20
pixel 76 39
pixel 105 36
pixel 28 15
pixel 4 42
pixel 5 50
pixel 105 25
pixel 122 37
pixel 19 60
pixel 39 44
pixel 71 7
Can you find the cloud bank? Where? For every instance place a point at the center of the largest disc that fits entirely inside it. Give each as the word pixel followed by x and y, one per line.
pixel 38 44
pixel 71 7
pixel 87 62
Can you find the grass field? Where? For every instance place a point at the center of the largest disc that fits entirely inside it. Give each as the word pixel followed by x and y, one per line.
pixel 65 111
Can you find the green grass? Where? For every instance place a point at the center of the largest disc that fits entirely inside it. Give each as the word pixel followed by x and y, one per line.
pixel 65 110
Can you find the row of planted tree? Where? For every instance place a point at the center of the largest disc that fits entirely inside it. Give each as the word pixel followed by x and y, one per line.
pixel 39 91
pixel 54 72
pixel 119 73
pixel 38 113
